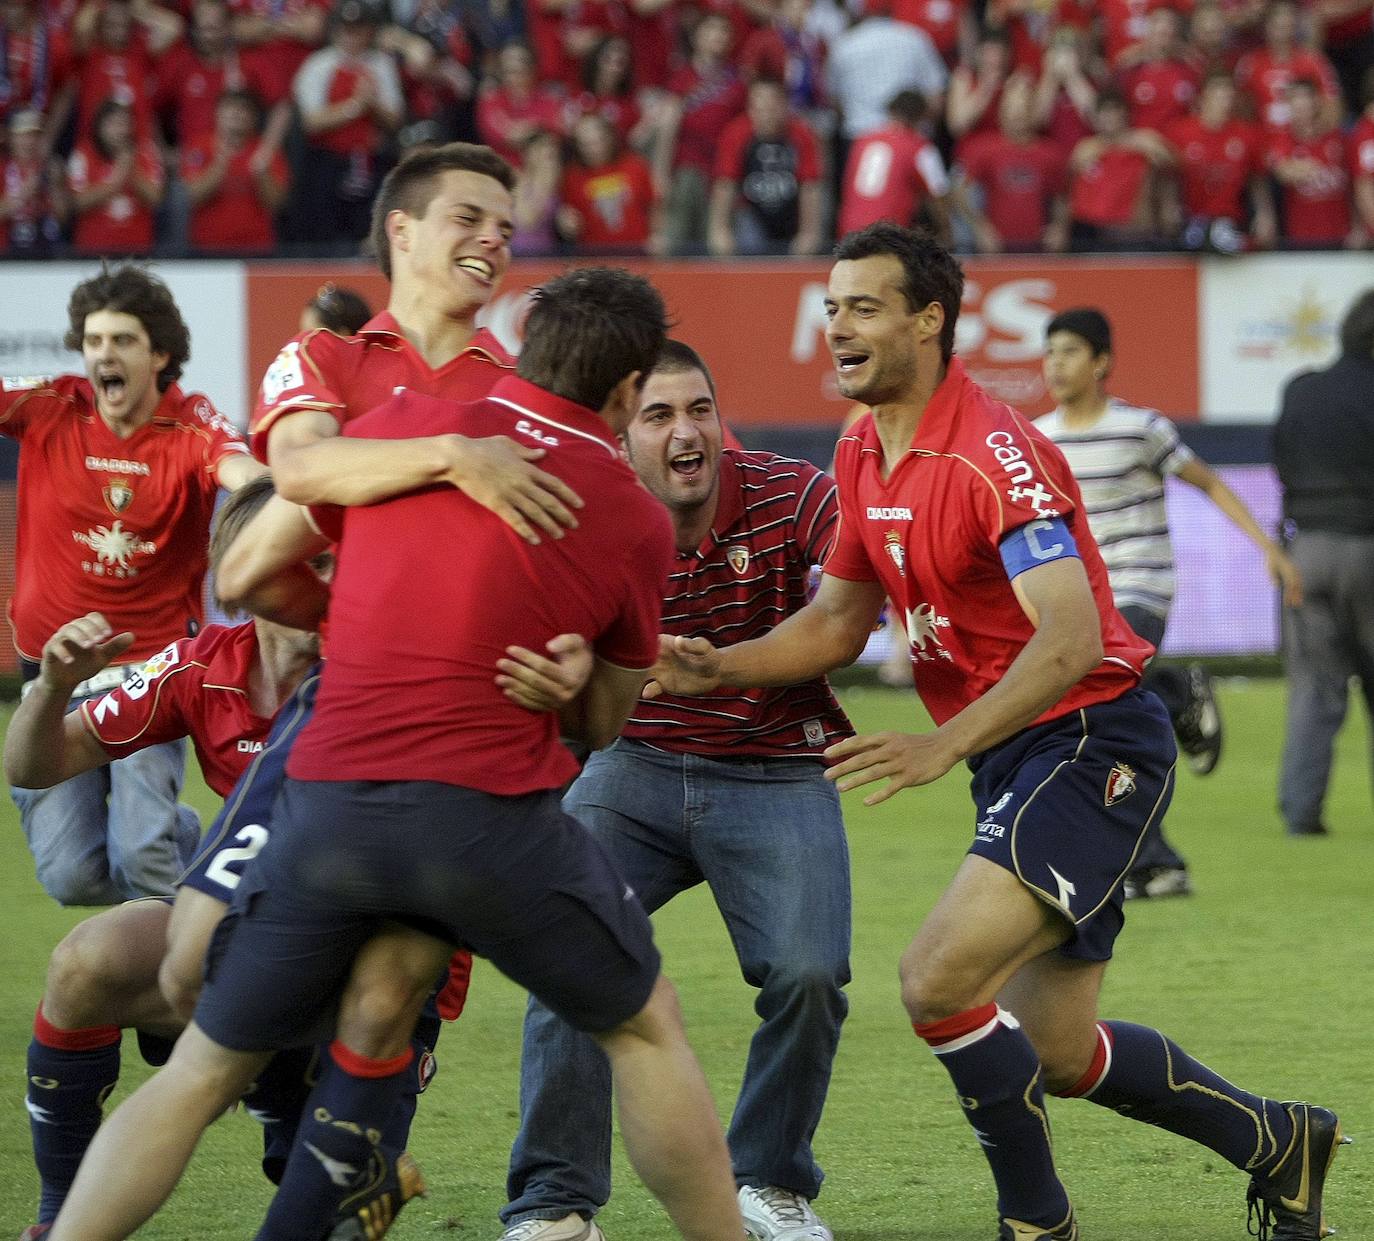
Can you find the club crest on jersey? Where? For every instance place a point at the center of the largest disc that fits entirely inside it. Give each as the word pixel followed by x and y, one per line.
pixel 119 494
pixel 892 543
pixel 1120 784
pixel 737 558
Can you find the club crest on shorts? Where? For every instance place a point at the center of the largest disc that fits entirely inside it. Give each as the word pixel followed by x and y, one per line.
pixel 1120 784
pixel 892 541
pixel 119 494
pixel 737 558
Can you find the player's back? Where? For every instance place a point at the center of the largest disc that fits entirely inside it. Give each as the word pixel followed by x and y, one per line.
pixel 431 588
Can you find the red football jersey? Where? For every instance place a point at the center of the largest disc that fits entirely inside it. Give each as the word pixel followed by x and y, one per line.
pixel 112 525
pixel 888 175
pixel 1125 22
pixel 930 533
pixel 1108 190
pixel 348 375
pixel 189 87
pixel 431 588
pixel 1316 209
pixel 275 62
pixel 1266 80
pixel 234 217
pixel 1019 181
pixel 1160 93
pixel 1215 165
pixel 196 688
pixel 122 224
pixel 123 74
pixel 708 105
pixel 614 201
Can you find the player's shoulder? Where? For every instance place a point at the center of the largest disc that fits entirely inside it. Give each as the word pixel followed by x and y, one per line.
pixel 76 388
pixel 1123 416
pixel 761 467
pixel 485 344
pixel 196 410
pixel 225 653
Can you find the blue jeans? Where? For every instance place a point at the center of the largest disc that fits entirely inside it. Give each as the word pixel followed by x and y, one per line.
pixel 768 837
pixel 115 833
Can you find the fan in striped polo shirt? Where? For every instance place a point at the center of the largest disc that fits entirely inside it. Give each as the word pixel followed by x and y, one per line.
pixel 1120 456
pixel 727 788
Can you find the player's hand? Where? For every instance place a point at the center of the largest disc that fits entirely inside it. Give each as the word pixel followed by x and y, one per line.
pixel 498 473
pixel 542 684
pixel 904 760
pixel 685 666
pixel 79 650
pixel 1286 575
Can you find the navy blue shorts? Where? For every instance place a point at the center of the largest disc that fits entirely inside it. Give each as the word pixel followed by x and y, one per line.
pixel 241 828
pixel 513 879
pixel 1064 807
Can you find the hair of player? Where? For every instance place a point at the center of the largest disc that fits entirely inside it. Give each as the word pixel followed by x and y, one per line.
pixel 133 290
pixel 1087 323
pixel 589 328
pixel 412 184
pixel 238 509
pixel 907 107
pixel 677 357
pixel 933 274
pixel 342 310
pixel 1357 328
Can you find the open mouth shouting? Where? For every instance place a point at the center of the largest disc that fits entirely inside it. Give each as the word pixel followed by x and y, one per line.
pixel 688 465
pixel 111 384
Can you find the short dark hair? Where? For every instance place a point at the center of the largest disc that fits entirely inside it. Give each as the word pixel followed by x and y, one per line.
pixel 1087 322
pixel 907 106
pixel 588 329
pixel 411 185
pixel 1357 328
pixel 106 110
pixel 133 290
pixel 238 509
pixel 677 356
pixel 341 310
pixel 933 274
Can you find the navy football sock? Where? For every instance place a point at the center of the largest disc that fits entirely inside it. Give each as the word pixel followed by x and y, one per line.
pixel 70 1075
pixel 338 1134
pixel 997 1078
pixel 1144 1075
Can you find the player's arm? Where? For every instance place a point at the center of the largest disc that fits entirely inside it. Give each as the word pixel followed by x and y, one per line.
pixel 599 712
pixel 236 469
pixel 313 464
pixel 45 744
pixel 1282 570
pixel 829 632
pixel 1066 646
pixel 263 571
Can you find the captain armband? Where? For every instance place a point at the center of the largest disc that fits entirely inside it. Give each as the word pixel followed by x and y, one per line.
pixel 1037 543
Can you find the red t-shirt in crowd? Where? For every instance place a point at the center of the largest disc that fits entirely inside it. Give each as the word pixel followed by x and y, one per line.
pixel 234 217
pixel 1215 165
pixel 499 117
pixel 1266 81
pixel 621 110
pixel 275 62
pixel 346 376
pixel 1019 182
pixel 1160 93
pixel 775 519
pixel 888 175
pixel 930 533
pixel 1317 209
pixel 708 105
pixel 938 18
pixel 111 525
pixel 614 201
pixel 122 224
pixel 189 87
pixel 431 588
pixel 37 62
pixel 197 688
pixel 123 74
pixel 1108 190
pixel 1125 21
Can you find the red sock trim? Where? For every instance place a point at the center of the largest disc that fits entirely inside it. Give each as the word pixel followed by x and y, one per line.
pixel 947 1029
pixel 1096 1070
pixel 364 1066
pixel 92 1039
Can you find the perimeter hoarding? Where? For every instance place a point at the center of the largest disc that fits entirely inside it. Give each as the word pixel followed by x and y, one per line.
pixel 761 327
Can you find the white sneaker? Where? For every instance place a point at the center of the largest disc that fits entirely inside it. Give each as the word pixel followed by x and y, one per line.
pixel 773 1214
pixel 569 1228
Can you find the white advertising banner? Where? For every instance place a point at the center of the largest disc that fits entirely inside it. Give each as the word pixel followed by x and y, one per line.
pixel 1264 318
pixel 211 298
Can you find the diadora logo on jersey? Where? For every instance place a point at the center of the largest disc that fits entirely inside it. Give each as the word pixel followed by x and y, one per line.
pixel 119 494
pixel 892 544
pixel 113 465
pixel 888 514
pixel 284 373
pixel 114 548
pixel 923 627
pixel 248 747
pixel 525 427
pixel 737 558
pixel 1120 784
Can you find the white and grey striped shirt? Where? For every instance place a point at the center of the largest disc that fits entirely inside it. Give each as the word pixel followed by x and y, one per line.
pixel 1120 462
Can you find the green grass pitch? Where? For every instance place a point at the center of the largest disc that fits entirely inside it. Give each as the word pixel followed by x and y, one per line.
pixel 1266 974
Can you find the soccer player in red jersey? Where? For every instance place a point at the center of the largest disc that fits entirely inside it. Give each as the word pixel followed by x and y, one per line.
pixel 969 518
pixel 221 688
pixel 118 476
pixel 765 834
pixel 472 844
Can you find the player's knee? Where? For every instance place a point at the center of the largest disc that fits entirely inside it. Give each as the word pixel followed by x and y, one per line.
pixel 377 1019
pixel 658 1021
pixel 83 971
pixel 1064 1061
pixel 179 981
pixel 85 884
pixel 806 984
pixel 930 993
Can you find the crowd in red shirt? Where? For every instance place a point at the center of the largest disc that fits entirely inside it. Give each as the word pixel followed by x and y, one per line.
pixel 263 126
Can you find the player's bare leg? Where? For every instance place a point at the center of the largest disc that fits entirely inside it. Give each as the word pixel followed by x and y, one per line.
pixel 195 915
pixel 669 1122
pixel 142 1149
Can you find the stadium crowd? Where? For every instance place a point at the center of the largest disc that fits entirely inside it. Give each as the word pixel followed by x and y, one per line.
pixel 693 126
